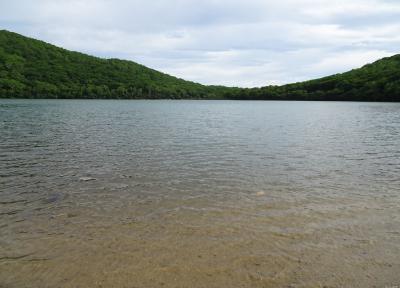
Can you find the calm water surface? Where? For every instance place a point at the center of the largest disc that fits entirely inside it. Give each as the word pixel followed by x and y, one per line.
pixel 199 194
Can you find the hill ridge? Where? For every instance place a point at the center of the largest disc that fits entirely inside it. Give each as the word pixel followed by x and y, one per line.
pixel 31 68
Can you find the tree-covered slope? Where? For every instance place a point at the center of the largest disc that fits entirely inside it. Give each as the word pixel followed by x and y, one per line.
pixel 379 81
pixel 34 69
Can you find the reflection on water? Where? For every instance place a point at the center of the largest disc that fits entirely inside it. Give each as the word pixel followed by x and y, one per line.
pixel 199 194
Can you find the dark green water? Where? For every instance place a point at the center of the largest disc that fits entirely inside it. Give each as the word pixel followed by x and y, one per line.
pixel 199 194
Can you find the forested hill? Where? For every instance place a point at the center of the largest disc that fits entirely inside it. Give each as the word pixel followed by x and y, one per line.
pixel 379 81
pixel 34 69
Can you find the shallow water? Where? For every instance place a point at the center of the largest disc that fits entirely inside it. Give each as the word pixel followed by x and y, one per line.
pixel 199 194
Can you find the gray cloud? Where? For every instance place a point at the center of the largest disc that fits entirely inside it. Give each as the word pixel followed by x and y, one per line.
pixel 235 43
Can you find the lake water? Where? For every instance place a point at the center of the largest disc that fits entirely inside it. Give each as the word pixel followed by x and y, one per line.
pixel 199 194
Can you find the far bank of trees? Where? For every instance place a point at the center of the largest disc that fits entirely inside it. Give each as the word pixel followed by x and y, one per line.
pixel 34 69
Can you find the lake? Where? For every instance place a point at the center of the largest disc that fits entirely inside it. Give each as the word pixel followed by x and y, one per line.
pixel 199 194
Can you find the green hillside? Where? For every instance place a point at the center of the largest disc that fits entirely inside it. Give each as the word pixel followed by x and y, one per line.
pixel 34 69
pixel 379 81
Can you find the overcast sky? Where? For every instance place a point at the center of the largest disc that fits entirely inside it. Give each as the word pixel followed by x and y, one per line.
pixel 230 42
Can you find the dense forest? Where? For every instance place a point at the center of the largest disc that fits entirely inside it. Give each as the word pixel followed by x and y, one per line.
pixel 34 69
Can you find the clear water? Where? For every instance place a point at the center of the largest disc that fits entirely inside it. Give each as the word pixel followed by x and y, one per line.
pixel 199 194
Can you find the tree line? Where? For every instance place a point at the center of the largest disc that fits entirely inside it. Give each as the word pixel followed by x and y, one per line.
pixel 34 69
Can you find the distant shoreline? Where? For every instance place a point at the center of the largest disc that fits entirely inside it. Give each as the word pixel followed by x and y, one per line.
pixel 168 99
pixel 34 69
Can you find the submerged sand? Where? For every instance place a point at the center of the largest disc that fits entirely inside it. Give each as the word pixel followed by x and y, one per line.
pixel 251 240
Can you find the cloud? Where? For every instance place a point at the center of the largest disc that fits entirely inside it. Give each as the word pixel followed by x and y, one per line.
pixel 236 43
